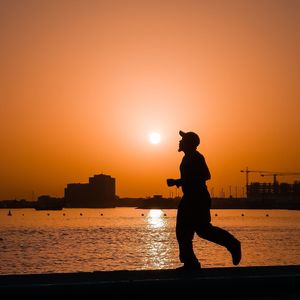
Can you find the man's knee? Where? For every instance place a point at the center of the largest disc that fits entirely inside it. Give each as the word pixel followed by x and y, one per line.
pixel 185 236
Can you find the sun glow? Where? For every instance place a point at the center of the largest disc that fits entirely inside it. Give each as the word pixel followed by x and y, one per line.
pixel 154 138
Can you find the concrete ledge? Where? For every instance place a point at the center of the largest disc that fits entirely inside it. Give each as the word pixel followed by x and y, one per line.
pixel 272 282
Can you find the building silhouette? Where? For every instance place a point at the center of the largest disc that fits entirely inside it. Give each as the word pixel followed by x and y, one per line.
pixel 99 192
pixel 271 190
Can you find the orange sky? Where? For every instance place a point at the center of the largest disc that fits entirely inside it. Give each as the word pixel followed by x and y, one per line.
pixel 84 82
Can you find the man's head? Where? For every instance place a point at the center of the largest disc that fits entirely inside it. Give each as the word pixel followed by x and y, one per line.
pixel 190 141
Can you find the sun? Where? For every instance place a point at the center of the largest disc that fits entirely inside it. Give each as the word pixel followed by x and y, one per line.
pixel 154 138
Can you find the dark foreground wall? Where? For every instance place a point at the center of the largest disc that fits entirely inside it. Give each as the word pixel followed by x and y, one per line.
pixel 274 282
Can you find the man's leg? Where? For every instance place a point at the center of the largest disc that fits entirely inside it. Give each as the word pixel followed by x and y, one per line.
pixel 222 237
pixel 184 235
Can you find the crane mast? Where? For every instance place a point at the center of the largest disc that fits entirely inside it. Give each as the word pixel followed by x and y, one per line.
pixel 247 171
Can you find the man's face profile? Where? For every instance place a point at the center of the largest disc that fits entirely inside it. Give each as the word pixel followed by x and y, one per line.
pixel 182 145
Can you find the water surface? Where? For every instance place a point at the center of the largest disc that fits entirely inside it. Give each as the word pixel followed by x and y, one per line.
pixel 84 240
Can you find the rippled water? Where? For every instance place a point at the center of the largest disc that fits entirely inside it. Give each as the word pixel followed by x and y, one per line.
pixel 75 240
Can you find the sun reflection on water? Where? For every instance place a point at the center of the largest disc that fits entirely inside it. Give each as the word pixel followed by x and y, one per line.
pixel 158 241
pixel 155 218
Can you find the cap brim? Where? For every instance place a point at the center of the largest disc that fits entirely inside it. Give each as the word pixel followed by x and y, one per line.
pixel 181 133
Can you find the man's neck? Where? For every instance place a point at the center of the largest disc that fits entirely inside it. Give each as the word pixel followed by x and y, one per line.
pixel 190 151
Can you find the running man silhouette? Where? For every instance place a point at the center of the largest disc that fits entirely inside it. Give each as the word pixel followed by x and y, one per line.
pixel 193 214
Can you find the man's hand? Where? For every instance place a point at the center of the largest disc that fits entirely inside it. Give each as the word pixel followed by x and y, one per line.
pixel 171 182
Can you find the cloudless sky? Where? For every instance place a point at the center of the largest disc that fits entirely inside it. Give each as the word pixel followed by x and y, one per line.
pixel 83 83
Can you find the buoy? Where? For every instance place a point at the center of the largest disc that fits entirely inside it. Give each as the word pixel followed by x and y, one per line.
pixel 101 214
pixel 9 213
pixel 242 215
pixel 216 215
pixel 81 214
pixel 165 215
pixel 267 215
pixel 64 214
pixel 142 215
pixel 48 214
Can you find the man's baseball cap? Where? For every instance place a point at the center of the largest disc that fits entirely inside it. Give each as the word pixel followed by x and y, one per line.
pixel 191 137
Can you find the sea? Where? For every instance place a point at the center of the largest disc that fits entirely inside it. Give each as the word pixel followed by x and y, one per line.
pixel 88 240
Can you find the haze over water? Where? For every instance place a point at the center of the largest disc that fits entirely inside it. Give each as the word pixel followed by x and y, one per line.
pixel 74 240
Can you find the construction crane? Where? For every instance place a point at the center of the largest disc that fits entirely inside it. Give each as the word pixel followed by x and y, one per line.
pixel 265 173
pixel 247 171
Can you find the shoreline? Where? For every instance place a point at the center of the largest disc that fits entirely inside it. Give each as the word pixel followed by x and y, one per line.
pixel 156 207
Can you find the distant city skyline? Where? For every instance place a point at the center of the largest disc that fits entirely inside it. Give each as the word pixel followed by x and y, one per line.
pixel 223 192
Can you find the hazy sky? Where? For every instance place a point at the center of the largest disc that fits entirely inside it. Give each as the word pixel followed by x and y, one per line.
pixel 84 82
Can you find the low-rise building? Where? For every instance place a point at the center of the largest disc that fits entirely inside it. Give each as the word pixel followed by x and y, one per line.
pixel 99 192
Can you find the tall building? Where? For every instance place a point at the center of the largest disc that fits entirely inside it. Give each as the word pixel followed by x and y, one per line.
pixel 99 192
